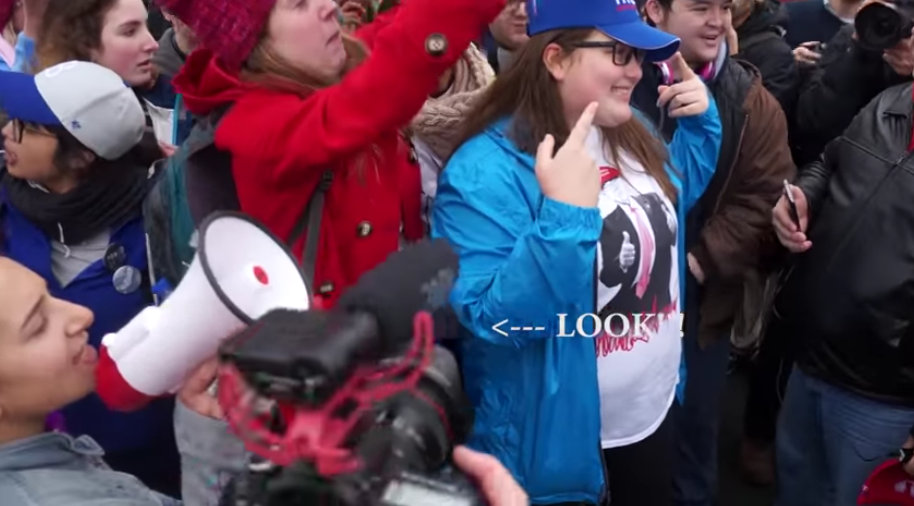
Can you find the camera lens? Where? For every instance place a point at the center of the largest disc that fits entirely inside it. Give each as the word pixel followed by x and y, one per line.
pixel 880 26
pixel 408 432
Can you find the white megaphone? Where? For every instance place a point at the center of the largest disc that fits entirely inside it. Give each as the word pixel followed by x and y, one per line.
pixel 240 273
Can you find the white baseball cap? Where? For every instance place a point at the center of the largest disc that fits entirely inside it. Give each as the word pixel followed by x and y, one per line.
pixel 90 101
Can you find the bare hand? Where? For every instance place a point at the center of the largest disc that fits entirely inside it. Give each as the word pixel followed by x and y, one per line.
pixel 793 238
pixel 497 485
pixel 196 395
pixel 626 253
pixel 695 269
pixel 806 55
pixel 353 14
pixel 571 176
pixel 689 97
pixel 167 149
pixel 901 57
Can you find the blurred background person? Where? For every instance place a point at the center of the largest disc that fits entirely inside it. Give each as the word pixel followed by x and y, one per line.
pixel 846 78
pixel 760 26
pixel 436 129
pixel 114 34
pixel 506 35
pixel 814 22
pixel 176 43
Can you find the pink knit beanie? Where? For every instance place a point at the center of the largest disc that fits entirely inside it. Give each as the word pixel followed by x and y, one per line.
pixel 228 28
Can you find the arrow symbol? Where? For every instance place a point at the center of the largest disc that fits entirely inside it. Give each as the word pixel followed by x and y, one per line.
pixel 497 329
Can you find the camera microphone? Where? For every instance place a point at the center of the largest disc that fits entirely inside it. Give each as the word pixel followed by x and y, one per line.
pixel 372 320
pixel 355 406
pixel 418 278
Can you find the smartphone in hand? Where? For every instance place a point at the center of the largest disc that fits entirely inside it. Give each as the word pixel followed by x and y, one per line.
pixel 792 204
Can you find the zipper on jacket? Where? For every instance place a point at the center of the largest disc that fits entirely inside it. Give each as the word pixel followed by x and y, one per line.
pixel 847 236
pixel 739 146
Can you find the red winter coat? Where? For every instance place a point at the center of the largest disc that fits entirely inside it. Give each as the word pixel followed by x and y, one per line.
pixel 280 143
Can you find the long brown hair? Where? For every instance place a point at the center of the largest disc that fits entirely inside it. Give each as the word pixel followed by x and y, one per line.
pixel 528 94
pixel 71 30
pixel 266 68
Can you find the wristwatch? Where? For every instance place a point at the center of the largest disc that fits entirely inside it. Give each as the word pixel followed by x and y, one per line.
pixel 905 455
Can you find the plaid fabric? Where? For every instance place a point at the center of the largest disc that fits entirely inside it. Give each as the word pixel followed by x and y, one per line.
pixel 228 28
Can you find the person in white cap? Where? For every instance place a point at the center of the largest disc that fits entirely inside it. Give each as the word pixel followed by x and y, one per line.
pixel 77 173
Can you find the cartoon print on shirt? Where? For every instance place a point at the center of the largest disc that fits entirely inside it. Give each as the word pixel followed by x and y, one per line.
pixel 639 223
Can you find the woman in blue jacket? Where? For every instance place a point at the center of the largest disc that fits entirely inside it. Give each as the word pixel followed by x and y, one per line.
pixel 77 172
pixel 547 399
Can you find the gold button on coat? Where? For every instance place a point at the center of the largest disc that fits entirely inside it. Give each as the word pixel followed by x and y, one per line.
pixel 436 44
pixel 364 229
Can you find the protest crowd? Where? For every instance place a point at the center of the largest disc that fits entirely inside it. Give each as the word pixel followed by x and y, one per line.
pixel 715 182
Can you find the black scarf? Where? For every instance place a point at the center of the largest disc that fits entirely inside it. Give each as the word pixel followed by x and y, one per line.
pixel 110 197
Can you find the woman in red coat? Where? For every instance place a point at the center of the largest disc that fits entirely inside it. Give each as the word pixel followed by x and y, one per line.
pixel 305 99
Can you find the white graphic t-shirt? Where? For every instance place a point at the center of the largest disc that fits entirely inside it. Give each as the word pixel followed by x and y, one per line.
pixel 638 294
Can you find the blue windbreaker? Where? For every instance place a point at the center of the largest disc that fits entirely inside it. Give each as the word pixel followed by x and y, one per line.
pixel 525 258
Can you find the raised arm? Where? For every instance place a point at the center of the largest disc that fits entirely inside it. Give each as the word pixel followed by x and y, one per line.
pixel 523 257
pixel 424 38
pixel 694 152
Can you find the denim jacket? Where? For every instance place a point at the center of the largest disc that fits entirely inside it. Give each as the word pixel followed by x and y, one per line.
pixel 55 469
pixel 210 457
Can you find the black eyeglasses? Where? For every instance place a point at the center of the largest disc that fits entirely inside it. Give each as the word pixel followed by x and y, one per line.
pixel 622 54
pixel 20 127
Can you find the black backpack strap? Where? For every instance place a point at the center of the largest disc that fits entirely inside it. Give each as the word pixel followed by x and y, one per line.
pixel 310 221
pixel 208 171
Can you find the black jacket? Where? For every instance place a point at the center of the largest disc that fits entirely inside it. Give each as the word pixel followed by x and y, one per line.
pixel 849 300
pixel 761 43
pixel 845 80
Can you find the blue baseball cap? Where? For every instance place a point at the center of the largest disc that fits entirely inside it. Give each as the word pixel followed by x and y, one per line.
pixel 618 19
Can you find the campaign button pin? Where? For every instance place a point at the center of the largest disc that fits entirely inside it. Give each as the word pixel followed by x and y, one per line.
pixel 115 257
pixel 127 279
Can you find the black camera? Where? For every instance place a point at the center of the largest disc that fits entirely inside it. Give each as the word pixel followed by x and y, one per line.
pixel 881 25
pixel 345 424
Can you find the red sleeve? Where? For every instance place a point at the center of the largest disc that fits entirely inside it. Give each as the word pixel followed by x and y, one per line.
pixel 380 96
pixel 369 33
